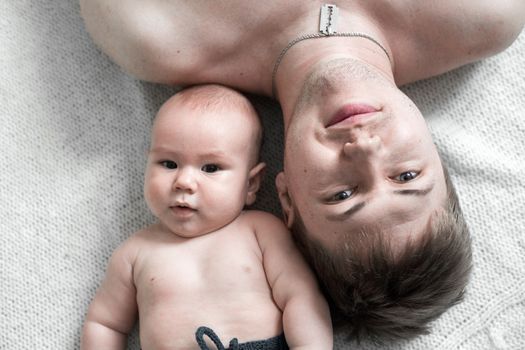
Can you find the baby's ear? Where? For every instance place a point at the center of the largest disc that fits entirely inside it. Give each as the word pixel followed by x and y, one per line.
pixel 285 199
pixel 254 182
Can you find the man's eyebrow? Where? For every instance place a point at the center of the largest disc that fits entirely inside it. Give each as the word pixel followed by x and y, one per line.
pixel 355 208
pixel 345 215
pixel 414 191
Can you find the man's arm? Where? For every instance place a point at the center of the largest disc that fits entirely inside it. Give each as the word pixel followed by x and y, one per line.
pixel 449 34
pixel 113 311
pixel 306 317
pixel 148 39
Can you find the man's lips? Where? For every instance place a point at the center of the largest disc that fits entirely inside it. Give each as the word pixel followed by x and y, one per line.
pixel 354 112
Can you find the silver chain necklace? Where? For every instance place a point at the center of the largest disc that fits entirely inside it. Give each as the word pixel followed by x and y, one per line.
pixel 327 28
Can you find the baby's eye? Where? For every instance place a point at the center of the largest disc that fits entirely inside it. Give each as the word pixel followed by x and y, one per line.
pixel 210 168
pixel 341 196
pixel 168 164
pixel 407 176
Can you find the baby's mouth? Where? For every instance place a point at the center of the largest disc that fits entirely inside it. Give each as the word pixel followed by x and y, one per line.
pixel 182 210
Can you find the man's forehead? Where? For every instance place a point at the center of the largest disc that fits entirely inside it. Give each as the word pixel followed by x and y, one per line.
pixel 397 232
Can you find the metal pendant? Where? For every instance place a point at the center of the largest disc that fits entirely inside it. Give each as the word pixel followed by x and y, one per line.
pixel 328 19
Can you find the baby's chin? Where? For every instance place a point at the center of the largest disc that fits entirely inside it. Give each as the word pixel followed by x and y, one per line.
pixel 188 229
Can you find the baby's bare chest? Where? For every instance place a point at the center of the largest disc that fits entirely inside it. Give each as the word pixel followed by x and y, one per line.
pixel 181 273
pixel 214 280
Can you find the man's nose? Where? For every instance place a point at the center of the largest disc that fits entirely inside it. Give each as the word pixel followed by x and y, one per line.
pixel 362 145
pixel 185 180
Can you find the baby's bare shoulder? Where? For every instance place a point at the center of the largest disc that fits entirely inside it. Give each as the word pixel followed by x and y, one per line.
pixel 144 237
pixel 259 217
pixel 144 245
pixel 268 228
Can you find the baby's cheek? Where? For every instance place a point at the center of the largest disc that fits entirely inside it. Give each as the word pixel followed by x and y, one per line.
pixel 152 193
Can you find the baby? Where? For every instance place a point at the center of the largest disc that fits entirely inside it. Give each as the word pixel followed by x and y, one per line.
pixel 208 267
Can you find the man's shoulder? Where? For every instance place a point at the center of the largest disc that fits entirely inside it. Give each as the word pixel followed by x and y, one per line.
pixel 178 42
pixel 429 40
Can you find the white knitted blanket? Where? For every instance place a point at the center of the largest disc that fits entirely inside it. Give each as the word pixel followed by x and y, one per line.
pixel 73 135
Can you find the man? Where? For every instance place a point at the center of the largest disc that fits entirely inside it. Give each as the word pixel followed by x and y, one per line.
pixel 363 187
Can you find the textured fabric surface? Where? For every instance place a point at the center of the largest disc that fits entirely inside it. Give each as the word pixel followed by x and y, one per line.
pixel 73 135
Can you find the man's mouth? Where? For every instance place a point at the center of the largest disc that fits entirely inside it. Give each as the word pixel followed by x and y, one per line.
pixel 353 113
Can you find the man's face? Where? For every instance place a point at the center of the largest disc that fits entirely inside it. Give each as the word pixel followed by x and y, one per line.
pixel 358 153
pixel 198 171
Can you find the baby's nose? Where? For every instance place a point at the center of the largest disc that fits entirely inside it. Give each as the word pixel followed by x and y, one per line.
pixel 185 181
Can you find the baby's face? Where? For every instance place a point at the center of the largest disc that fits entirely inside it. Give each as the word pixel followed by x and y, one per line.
pixel 198 170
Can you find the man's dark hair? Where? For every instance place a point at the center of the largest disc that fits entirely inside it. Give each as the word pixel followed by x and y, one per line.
pixel 380 293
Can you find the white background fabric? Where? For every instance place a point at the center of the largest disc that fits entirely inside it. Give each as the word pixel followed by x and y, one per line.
pixel 73 135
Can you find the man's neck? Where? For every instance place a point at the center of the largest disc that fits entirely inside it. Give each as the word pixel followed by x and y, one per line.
pixel 303 59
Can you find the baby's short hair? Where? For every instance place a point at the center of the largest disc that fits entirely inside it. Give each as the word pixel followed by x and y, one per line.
pixel 380 293
pixel 215 98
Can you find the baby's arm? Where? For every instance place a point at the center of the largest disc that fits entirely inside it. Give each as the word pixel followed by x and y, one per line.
pixel 306 317
pixel 113 311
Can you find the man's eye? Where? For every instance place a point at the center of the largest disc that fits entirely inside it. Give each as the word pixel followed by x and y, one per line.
pixel 407 176
pixel 168 164
pixel 210 168
pixel 341 196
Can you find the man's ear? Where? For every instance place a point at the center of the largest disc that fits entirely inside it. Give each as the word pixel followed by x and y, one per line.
pixel 254 182
pixel 285 199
